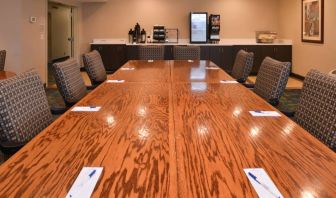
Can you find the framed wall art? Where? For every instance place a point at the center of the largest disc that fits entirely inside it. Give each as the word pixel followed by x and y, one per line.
pixel 312 21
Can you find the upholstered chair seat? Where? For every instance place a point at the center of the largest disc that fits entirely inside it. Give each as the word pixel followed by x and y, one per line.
pixel 151 52
pixel 69 81
pixel 24 109
pixel 242 66
pixel 272 79
pixel 2 59
pixel 187 53
pixel 316 111
pixel 94 67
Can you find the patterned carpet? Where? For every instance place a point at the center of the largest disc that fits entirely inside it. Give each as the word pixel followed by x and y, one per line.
pixel 54 97
pixel 289 100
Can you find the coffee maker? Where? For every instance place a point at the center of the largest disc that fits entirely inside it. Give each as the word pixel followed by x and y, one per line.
pixel 159 34
pixel 214 28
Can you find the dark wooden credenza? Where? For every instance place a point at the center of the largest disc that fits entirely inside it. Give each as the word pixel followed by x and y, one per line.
pixel 115 55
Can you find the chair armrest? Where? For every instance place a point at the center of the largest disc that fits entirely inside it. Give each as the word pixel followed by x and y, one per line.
pixel 92 87
pixel 249 86
pixel 9 148
pixel 241 81
pixel 5 145
pixel 58 110
pixel 289 114
pixel 274 102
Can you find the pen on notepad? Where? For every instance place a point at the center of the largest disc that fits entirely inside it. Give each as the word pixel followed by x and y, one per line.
pixel 90 176
pixel 92 173
pixel 262 184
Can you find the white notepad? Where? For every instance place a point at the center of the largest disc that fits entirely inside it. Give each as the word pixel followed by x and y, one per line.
pixel 190 61
pixel 150 61
pixel 85 182
pixel 115 81
pixel 262 183
pixel 127 68
pixel 228 82
pixel 257 113
pixel 214 68
pixel 86 109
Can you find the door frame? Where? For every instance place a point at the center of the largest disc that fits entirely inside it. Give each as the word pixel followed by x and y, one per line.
pixel 74 32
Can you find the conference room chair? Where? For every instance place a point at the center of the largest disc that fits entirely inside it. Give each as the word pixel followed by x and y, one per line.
pixel 316 111
pixel 69 81
pixel 242 66
pixel 271 80
pixel 151 52
pixel 333 72
pixel 2 59
pixel 25 111
pixel 187 53
pixel 94 67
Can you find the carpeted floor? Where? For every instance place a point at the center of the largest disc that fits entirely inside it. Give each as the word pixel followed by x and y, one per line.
pixel 289 100
pixel 54 97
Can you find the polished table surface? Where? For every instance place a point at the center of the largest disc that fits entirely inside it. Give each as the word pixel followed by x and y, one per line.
pixel 182 137
pixel 6 74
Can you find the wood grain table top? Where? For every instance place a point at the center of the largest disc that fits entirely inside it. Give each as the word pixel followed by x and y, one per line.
pixel 171 138
pixel 144 71
pixel 6 74
pixel 197 71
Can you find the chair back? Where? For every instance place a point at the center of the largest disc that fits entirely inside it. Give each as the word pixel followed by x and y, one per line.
pixel 94 67
pixel 25 111
pixel 316 111
pixel 187 53
pixel 151 52
pixel 272 79
pixel 69 81
pixel 2 59
pixel 242 66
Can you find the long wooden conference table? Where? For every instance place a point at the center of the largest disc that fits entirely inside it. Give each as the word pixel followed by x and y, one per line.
pixel 171 130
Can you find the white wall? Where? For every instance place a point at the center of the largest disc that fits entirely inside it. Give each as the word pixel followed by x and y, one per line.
pixel 25 42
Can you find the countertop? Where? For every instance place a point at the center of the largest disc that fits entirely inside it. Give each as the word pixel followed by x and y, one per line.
pixel 223 42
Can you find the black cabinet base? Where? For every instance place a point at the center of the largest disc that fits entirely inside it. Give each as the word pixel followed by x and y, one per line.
pixel 116 55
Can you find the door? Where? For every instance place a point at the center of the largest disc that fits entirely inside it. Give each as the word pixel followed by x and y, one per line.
pixel 60 37
pixel 60 45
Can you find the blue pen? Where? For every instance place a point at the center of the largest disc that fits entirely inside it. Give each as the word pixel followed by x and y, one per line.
pixel 262 184
pixel 92 173
pixel 257 111
pixel 92 107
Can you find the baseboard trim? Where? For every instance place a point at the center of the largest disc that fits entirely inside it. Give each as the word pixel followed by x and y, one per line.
pixel 298 76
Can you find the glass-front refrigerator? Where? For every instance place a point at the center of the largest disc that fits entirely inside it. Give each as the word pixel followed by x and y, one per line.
pixel 198 27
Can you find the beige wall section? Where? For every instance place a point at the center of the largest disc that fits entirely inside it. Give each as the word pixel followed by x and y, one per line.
pixel 10 33
pixel 239 18
pixel 307 55
pixel 24 41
